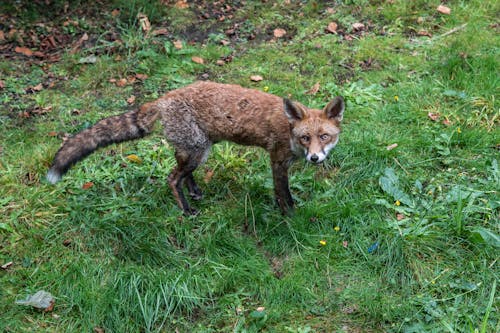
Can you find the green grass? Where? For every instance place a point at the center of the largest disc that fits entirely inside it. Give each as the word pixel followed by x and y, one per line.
pixel 412 233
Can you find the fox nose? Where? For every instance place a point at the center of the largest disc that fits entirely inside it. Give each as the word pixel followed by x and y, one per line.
pixel 314 158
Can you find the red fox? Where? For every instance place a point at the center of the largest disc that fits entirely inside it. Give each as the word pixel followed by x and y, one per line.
pixel 204 113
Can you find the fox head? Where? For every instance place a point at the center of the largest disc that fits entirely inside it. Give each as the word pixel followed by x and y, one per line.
pixel 314 132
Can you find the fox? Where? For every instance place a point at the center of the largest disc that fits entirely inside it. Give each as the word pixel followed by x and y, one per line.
pixel 204 113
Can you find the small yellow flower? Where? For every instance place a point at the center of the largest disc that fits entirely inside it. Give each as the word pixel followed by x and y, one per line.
pixel 396 98
pixel 337 228
pixel 266 88
pixel 459 130
pixel 397 203
pixel 322 242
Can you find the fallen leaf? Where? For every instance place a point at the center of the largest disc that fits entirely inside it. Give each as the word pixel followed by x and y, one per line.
pixel 444 10
pixel 23 50
pixel 314 89
pixel 141 77
pixel 332 27
pixel 134 158
pixel 178 44
pixel 160 31
pixel 433 116
pixel 391 147
pixel 278 33
pixel 38 87
pixel 400 216
pixel 424 33
pixel 198 60
pixel 144 22
pixel 121 83
pixel 182 4
pixel 131 100
pixel 87 185
pixel 256 78
pixel 6 265
pixel 358 26
pixel 208 176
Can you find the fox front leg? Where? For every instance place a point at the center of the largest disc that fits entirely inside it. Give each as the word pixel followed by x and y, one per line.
pixel 281 188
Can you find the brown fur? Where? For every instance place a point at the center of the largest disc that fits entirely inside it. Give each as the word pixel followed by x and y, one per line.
pixel 203 113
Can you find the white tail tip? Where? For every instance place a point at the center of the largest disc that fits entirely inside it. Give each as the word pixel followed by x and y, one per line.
pixel 53 176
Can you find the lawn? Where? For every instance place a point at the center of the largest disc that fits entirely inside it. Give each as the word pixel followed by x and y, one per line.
pixel 398 231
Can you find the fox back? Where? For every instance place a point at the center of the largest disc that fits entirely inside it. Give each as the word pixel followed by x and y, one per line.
pixel 204 113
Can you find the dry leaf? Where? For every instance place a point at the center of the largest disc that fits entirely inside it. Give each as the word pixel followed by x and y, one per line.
pixel 278 33
pixel 256 78
pixel 131 100
pixel 444 10
pixel 332 27
pixel 433 116
pixel 358 26
pixel 208 176
pixel 141 77
pixel 182 4
pixel 178 44
pixel 121 83
pixel 424 33
pixel 160 31
pixel 23 50
pixel 391 147
pixel 314 89
pixel 198 60
pixel 144 21
pixel 87 185
pixel 134 158
pixel 7 265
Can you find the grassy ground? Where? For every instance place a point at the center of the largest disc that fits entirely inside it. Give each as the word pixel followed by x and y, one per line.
pixel 409 236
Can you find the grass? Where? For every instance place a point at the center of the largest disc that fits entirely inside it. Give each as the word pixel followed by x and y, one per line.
pixel 411 235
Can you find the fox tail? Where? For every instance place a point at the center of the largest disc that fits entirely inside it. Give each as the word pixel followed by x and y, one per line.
pixel 128 126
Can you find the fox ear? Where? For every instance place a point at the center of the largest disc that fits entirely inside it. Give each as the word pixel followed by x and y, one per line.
pixel 335 109
pixel 293 112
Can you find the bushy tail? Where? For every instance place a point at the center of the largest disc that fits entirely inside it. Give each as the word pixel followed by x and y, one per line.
pixel 128 126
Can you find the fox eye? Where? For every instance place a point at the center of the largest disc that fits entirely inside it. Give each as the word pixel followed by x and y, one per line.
pixel 324 137
pixel 305 138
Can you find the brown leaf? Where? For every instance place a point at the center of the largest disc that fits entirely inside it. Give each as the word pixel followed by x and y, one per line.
pixel 23 50
pixel 358 26
pixel 198 60
pixel 182 4
pixel 141 77
pixel 87 185
pixel 256 78
pixel 391 147
pixel 332 27
pixel 160 31
pixel 6 265
pixel 208 176
pixel 433 116
pixel 131 100
pixel 444 10
pixel 121 83
pixel 178 44
pixel 144 22
pixel 314 89
pixel 278 33
pixel 424 33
